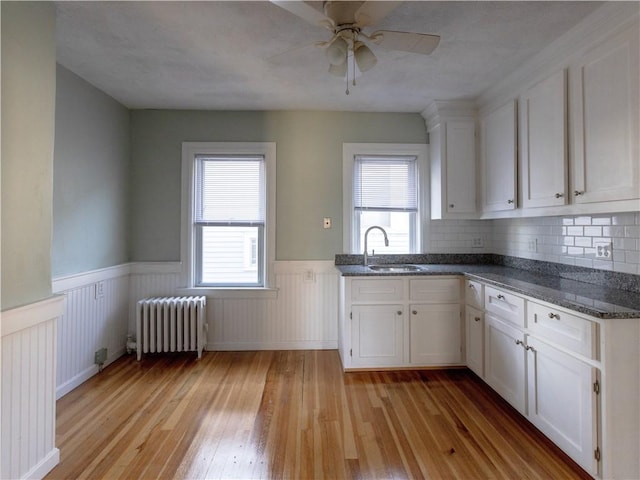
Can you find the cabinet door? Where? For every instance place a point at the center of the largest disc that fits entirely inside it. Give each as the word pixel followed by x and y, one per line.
pixel 435 335
pixel 474 329
pixel 562 403
pixel 544 143
pixel 460 156
pixel 504 366
pixel 377 335
pixel 499 156
pixel 605 86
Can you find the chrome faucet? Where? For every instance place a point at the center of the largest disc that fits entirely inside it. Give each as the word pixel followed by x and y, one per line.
pixel 386 242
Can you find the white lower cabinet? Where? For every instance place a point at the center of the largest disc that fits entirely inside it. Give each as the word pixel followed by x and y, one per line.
pixel 474 333
pixel 400 322
pixel 562 402
pixel 435 333
pixel 542 363
pixel 504 361
pixel 378 335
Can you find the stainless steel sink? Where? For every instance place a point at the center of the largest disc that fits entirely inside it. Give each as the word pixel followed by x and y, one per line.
pixel 395 268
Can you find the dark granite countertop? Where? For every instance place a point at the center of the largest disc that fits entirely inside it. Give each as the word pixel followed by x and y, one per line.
pixel 596 300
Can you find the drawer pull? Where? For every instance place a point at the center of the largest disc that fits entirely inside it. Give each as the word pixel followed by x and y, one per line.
pixel 519 342
pixel 530 348
pixel 500 297
pixel 399 312
pixel 471 285
pixel 554 315
pixel 415 312
pixel 477 319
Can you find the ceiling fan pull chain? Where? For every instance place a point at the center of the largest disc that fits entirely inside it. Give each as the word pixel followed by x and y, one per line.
pixel 347 60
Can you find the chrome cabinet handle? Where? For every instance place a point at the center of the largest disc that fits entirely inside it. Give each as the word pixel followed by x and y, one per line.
pixel 510 201
pixel 577 193
pixel 519 342
pixel 559 195
pixel 500 297
pixel 527 348
pixel 471 285
pixel 554 315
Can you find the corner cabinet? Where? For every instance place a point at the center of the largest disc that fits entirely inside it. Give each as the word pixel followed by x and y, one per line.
pixel 605 117
pixel 394 322
pixel 452 153
pixel 499 158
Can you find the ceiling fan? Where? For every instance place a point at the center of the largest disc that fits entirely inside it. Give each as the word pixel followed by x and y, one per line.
pixel 346 49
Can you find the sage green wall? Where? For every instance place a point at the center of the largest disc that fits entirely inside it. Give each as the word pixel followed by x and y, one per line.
pixel 90 178
pixel 28 110
pixel 309 171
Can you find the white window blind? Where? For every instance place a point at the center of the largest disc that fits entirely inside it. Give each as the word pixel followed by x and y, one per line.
pixel 385 183
pixel 230 190
pixel 230 217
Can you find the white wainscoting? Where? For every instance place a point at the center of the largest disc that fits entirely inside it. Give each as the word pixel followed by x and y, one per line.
pixel 28 389
pixel 301 314
pixel 96 315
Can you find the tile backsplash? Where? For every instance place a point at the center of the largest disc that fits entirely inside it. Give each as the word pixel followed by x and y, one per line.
pixel 571 240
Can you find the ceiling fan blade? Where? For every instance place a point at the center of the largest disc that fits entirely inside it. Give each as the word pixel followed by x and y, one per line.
pixel 406 41
pixel 372 12
pixel 304 11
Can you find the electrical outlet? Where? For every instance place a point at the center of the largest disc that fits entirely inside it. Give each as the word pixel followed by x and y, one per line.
pixel 477 242
pixel 309 276
pixel 326 223
pixel 532 246
pixel 99 290
pixel 604 250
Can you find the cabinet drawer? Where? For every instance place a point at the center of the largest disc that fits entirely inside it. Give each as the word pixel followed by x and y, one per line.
pixel 507 306
pixel 435 290
pixel 570 331
pixel 382 290
pixel 474 294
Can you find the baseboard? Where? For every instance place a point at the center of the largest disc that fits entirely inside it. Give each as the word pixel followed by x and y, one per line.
pixel 43 467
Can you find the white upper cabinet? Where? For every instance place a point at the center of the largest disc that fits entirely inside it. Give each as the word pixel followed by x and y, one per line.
pixel 452 150
pixel 543 117
pixel 605 110
pixel 499 156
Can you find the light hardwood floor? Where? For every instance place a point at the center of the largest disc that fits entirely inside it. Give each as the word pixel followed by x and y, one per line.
pixel 293 414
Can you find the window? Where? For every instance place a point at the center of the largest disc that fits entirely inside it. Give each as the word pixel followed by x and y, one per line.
pixel 382 183
pixel 228 209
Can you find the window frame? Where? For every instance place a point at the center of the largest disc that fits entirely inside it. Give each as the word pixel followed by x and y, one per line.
pixel 190 152
pixel 350 237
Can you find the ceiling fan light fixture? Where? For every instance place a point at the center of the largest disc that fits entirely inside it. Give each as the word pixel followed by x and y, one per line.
pixel 337 51
pixel 365 59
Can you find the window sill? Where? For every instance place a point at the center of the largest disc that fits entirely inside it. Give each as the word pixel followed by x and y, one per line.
pixel 230 292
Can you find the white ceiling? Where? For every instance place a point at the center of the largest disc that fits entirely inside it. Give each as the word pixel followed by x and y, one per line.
pixel 238 55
